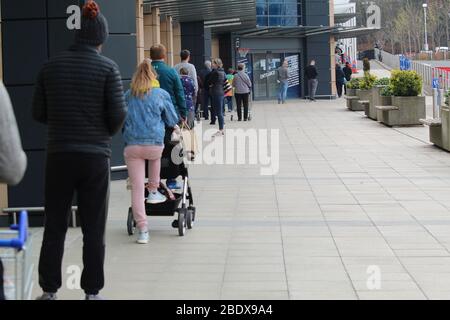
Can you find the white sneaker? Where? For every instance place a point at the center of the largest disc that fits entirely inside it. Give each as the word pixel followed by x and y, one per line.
pixel 156 197
pixel 218 134
pixel 143 237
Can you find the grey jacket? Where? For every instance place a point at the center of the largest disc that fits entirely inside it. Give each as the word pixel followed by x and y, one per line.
pixel 283 74
pixel 13 160
pixel 242 83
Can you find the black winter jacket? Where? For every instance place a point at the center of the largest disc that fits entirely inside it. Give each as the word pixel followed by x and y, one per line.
pixel 311 72
pixel 216 81
pixel 348 73
pixel 79 95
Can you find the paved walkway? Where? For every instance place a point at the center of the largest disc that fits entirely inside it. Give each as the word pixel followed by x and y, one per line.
pixel 350 194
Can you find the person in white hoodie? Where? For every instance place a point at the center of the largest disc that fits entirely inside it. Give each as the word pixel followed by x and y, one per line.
pixel 13 161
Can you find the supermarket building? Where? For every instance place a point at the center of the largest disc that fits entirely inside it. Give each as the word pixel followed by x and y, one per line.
pixel 259 33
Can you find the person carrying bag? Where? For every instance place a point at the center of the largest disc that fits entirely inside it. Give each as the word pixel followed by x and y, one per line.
pixel 243 85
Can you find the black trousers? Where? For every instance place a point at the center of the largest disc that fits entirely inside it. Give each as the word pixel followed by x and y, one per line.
pixel 339 87
pixel 89 176
pixel 205 103
pixel 2 289
pixel 242 101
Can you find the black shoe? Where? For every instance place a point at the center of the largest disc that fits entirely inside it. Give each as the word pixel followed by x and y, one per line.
pixel 239 119
pixel 47 296
pixel 212 123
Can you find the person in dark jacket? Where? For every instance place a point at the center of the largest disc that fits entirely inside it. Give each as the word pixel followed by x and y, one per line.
pixel 311 76
pixel 170 81
pixel 79 96
pixel 206 97
pixel 340 79
pixel 216 82
pixel 348 72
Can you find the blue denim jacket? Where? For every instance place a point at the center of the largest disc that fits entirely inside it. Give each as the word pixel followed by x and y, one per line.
pixel 147 118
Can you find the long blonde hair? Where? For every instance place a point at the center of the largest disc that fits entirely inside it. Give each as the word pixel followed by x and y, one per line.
pixel 143 79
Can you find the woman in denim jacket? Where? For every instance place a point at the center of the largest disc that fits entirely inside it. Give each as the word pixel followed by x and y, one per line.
pixel 150 110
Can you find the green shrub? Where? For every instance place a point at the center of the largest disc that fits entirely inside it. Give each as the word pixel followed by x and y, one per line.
pixel 386 91
pixel 447 98
pixel 354 83
pixel 367 82
pixel 382 82
pixel 366 65
pixel 405 83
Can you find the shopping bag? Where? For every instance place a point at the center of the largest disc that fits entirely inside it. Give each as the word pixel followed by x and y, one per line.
pixel 189 141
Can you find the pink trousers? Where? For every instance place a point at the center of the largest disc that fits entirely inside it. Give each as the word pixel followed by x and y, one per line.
pixel 135 157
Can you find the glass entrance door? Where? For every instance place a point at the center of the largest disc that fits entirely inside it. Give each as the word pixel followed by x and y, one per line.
pixel 265 86
pixel 265 75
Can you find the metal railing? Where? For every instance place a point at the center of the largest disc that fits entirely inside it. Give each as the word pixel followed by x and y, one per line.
pixel 14 212
pixel 433 77
pixel 392 61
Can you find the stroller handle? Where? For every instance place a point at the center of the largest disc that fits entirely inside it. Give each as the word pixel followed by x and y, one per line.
pixel 22 228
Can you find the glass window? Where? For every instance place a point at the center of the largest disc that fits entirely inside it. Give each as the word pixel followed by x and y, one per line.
pixel 278 13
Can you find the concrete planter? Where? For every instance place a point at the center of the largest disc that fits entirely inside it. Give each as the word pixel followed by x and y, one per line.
pixel 374 101
pixel 384 101
pixel 410 111
pixel 351 92
pixel 440 129
pixel 445 133
pixel 363 95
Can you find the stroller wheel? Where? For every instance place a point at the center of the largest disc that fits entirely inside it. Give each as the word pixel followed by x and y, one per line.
pixel 190 218
pixel 182 213
pixel 131 224
pixel 231 118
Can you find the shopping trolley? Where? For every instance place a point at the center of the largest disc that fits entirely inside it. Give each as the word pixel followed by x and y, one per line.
pixel 15 253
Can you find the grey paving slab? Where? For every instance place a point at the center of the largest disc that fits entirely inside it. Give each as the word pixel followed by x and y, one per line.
pixel 339 204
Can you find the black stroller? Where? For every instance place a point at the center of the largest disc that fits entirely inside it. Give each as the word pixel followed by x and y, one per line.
pixel 182 203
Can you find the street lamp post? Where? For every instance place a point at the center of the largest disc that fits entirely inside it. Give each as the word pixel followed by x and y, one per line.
pixel 425 6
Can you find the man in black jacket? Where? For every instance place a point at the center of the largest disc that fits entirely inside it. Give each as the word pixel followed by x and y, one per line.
pixel 79 96
pixel 311 75
pixel 348 74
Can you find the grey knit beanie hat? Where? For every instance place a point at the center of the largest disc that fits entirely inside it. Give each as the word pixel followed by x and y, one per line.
pixel 94 26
